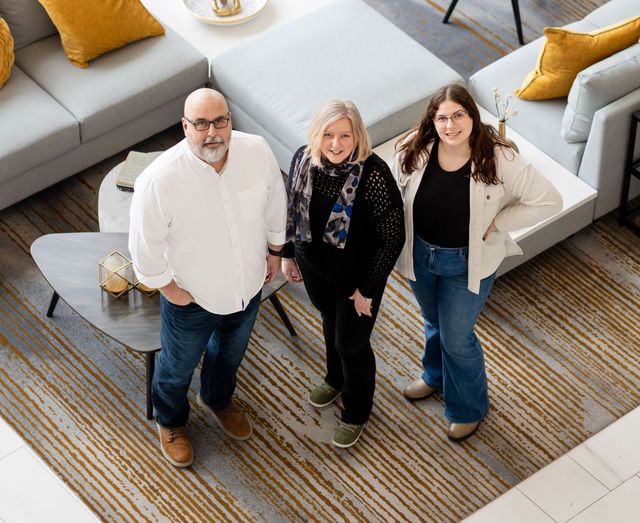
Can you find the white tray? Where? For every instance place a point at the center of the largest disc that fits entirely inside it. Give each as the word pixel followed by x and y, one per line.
pixel 203 10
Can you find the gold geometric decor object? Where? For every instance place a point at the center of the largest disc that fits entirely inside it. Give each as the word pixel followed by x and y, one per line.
pixel 220 7
pixel 115 274
pixel 149 291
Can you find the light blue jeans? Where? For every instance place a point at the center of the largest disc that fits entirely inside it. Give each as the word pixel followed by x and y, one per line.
pixel 453 359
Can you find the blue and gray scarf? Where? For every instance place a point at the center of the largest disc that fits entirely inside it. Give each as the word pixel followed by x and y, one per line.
pixel 337 229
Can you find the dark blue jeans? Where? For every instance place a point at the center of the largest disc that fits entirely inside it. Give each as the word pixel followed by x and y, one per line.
pixel 453 359
pixel 187 332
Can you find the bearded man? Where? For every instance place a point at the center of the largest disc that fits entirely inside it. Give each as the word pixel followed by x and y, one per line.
pixel 208 222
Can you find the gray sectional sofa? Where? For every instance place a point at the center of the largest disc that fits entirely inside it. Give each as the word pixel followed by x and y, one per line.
pixel 599 160
pixel 57 119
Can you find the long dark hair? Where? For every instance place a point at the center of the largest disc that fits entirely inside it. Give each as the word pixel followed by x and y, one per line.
pixel 482 141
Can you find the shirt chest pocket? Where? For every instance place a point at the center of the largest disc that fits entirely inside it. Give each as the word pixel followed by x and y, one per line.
pixel 253 202
pixel 493 195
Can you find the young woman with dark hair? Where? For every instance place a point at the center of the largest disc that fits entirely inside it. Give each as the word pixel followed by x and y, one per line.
pixel 464 188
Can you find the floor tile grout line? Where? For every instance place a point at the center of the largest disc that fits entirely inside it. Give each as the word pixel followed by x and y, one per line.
pixel 22 446
pixel 601 498
pixel 534 503
pixel 590 473
pixel 52 476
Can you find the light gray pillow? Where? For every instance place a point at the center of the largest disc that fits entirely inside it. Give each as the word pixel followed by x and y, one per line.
pixel 597 86
pixel 27 20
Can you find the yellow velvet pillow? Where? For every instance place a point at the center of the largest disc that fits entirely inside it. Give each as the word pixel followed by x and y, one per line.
pixel 90 28
pixel 566 53
pixel 6 52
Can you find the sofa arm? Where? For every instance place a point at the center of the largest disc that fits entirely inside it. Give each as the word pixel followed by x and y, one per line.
pixel 602 165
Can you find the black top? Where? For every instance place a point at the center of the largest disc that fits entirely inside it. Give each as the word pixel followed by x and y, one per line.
pixel 376 231
pixel 441 206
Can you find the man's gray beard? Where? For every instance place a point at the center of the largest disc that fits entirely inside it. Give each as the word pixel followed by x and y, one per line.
pixel 214 155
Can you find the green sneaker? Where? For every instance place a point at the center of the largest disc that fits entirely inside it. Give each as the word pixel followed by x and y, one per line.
pixel 323 395
pixel 346 435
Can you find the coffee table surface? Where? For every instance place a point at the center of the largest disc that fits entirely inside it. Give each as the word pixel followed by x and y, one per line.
pixel 69 262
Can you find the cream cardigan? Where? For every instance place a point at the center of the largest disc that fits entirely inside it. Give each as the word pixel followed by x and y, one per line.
pixel 523 197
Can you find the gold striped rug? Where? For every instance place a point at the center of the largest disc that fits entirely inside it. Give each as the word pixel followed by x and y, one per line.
pixel 561 339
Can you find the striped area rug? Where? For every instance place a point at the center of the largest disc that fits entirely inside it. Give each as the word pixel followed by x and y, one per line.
pixel 560 333
pixel 561 338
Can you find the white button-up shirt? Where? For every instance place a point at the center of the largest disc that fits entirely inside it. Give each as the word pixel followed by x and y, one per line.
pixel 207 230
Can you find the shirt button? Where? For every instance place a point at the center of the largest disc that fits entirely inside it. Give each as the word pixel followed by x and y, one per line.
pixel 488 196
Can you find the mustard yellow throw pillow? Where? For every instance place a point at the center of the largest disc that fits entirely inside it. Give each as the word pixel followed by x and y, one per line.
pixel 90 28
pixel 6 52
pixel 566 53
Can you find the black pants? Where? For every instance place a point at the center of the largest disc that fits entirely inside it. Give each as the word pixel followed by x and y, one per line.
pixel 351 365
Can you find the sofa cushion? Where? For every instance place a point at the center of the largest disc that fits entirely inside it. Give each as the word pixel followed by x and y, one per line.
pixel 537 121
pixel 6 52
pixel 118 87
pixel 568 52
pixel 344 50
pixel 612 12
pixel 90 28
pixel 597 86
pixel 28 20
pixel 35 128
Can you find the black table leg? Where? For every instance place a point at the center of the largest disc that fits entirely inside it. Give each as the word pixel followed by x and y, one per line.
pixel 52 304
pixel 516 15
pixel 452 6
pixel 151 364
pixel 277 305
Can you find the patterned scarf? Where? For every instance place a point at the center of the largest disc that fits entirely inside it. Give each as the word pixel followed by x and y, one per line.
pixel 335 233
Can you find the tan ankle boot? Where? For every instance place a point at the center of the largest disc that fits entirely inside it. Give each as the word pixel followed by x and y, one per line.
pixel 460 431
pixel 232 420
pixel 175 445
pixel 418 390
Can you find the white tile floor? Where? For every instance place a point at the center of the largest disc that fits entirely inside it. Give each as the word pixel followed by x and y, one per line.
pixel 597 482
pixel 29 491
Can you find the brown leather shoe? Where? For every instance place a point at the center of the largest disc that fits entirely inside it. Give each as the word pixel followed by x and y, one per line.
pixel 233 421
pixel 418 390
pixel 460 431
pixel 175 445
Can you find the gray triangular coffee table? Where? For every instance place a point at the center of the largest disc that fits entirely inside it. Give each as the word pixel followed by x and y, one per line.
pixel 69 262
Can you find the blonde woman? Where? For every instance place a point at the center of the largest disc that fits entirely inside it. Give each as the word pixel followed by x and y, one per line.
pixel 345 229
pixel 464 189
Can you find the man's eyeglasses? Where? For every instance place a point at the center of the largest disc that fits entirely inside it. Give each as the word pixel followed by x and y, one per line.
pixel 203 125
pixel 456 117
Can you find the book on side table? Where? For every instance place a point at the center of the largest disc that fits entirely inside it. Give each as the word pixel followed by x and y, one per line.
pixel 135 163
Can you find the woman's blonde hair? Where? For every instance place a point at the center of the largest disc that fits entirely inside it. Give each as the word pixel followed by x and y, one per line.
pixel 330 113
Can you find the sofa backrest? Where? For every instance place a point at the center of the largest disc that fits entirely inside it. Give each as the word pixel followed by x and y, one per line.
pixel 604 157
pixel 28 21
